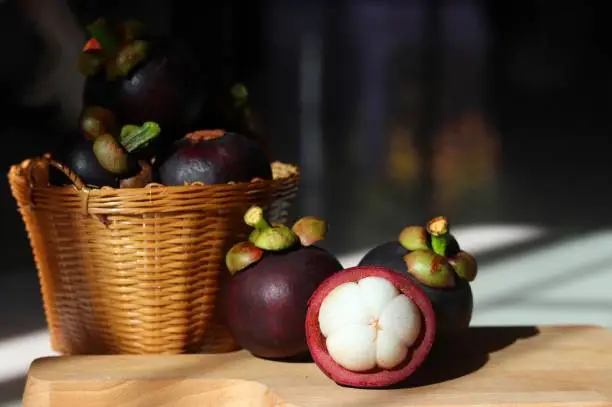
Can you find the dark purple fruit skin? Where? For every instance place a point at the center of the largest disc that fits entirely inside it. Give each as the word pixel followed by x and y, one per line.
pixel 167 88
pixel 231 157
pixel 76 152
pixel 266 303
pixel 453 307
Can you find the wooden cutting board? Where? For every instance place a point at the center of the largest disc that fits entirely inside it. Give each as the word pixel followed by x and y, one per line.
pixel 545 366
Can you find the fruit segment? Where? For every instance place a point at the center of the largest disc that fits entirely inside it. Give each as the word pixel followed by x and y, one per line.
pixel 368 324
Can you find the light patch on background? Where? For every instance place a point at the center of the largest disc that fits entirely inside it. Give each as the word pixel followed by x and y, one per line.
pixel 565 282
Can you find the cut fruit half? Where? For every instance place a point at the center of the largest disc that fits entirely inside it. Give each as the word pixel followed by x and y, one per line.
pixel 369 327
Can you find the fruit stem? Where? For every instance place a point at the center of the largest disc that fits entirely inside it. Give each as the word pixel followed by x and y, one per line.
pixel 107 39
pixel 254 218
pixel 134 137
pixel 439 228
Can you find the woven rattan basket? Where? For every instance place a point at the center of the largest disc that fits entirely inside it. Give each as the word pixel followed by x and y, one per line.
pixel 137 270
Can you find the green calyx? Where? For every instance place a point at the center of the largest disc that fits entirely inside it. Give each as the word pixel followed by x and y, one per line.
pixel 310 229
pixel 465 265
pixel 272 237
pixel 268 237
pixel 114 154
pixel 110 154
pixel 430 269
pixel 241 256
pixel 126 59
pixel 118 52
pixel 414 238
pixel 435 258
pixel 134 137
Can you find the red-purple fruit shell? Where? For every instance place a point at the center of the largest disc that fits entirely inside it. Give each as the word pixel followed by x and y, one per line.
pixel 376 377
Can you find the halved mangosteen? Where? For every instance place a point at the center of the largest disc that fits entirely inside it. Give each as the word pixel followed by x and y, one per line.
pixel 369 327
pixel 431 256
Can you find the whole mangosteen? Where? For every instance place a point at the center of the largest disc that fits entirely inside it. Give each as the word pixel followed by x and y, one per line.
pixel 142 78
pixel 101 160
pixel 76 153
pixel 432 257
pixel 214 157
pixel 369 326
pixel 273 275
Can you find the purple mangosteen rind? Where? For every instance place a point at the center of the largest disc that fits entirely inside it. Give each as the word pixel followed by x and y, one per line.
pixel 266 303
pixel 214 157
pixel 453 306
pixel 76 152
pixel 431 256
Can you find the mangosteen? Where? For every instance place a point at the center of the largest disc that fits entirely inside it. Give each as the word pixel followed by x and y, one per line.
pixel 115 156
pixel 142 78
pixel 77 153
pixel 214 157
pixel 104 161
pixel 432 257
pixel 369 326
pixel 273 275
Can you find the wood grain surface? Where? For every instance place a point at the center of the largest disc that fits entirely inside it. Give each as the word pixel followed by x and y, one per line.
pixel 513 366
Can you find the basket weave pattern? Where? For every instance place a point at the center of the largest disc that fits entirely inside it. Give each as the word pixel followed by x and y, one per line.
pixel 137 270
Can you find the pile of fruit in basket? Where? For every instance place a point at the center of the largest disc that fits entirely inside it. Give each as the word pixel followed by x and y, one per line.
pixel 367 326
pixel 145 105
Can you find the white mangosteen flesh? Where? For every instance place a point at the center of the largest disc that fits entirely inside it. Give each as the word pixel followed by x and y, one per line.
pixel 369 324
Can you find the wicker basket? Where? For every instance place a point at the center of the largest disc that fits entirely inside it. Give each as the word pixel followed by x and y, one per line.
pixel 137 271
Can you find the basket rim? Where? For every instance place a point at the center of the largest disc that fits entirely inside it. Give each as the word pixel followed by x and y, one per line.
pixel 19 173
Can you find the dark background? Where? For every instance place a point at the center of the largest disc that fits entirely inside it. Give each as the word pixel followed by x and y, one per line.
pixel 487 111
